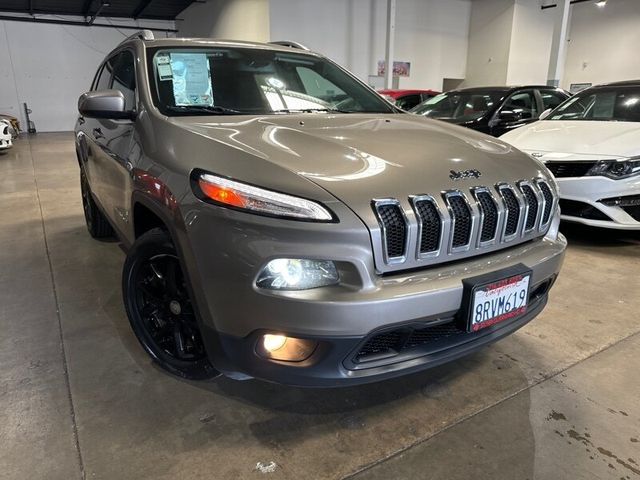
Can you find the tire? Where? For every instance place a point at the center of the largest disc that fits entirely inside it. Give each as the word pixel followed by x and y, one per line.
pixel 97 223
pixel 159 307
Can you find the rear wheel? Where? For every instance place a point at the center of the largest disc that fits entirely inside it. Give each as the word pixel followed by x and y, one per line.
pixel 160 309
pixel 97 223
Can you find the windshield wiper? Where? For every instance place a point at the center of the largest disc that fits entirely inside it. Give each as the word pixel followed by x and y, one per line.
pixel 215 110
pixel 312 110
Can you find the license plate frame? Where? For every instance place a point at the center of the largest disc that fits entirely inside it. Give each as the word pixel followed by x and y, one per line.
pixel 504 278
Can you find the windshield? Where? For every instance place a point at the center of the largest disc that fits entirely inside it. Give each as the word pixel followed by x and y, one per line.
pixel 463 106
pixel 620 104
pixel 219 81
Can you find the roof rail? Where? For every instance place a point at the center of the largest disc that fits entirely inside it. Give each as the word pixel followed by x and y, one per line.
pixel 290 44
pixel 141 34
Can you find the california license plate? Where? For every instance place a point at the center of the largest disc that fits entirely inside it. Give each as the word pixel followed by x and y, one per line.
pixel 498 301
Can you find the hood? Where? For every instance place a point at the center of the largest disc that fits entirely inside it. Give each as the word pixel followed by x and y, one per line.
pixel 578 140
pixel 358 157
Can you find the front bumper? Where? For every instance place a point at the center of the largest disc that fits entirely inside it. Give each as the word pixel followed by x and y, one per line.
pixel 342 321
pixel 589 191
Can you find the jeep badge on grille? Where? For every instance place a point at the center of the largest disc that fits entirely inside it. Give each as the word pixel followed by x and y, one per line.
pixel 464 174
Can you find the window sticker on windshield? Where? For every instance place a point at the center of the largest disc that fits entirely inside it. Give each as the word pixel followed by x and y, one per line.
pixel 191 79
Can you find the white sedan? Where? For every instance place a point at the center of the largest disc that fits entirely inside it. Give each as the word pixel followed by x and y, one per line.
pixel 591 144
pixel 5 135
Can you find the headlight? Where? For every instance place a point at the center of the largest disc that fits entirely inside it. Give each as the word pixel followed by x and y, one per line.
pixel 297 274
pixel 616 169
pixel 240 195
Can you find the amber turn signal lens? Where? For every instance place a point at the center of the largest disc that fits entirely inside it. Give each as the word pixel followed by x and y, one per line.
pixel 220 194
pixel 286 349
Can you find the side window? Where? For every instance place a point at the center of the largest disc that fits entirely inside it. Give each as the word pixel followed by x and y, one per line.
pixel 104 77
pixel 523 103
pixel 124 78
pixel 408 102
pixel 551 99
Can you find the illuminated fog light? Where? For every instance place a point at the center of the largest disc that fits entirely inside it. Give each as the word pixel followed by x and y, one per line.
pixel 271 343
pixel 286 349
pixel 297 274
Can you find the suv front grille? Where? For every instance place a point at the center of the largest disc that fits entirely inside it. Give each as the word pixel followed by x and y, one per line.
pixel 430 224
pixel 461 217
pixel 569 169
pixel 489 216
pixel 513 210
pixel 460 223
pixel 394 228
pixel 532 204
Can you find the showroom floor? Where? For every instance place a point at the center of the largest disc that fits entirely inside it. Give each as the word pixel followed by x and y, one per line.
pixel 79 398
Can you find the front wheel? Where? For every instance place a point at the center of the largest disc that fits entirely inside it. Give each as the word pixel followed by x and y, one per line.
pixel 159 307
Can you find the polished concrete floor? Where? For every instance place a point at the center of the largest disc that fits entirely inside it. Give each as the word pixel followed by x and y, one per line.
pixel 79 399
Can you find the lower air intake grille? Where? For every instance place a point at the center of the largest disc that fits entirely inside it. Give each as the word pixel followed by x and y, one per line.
pixel 569 169
pixel 513 211
pixel 431 225
pixel 532 202
pixel 461 215
pixel 395 341
pixel 489 216
pixel 395 228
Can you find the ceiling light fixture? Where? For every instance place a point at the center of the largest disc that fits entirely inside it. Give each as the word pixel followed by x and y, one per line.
pixel 601 3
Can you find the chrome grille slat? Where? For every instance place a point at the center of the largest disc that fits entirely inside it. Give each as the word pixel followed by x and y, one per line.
pixel 461 220
pixel 429 224
pixel 426 230
pixel 531 202
pixel 394 227
pixel 490 215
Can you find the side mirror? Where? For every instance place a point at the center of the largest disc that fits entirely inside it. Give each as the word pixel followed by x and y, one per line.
pixel 104 104
pixel 509 116
pixel 545 114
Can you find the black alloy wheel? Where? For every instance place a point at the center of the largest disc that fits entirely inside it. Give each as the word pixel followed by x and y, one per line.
pixel 160 309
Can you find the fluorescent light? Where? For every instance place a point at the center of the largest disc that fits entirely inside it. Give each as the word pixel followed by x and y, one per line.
pixel 601 3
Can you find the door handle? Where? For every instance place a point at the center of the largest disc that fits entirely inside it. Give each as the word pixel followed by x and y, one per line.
pixel 81 120
pixel 97 133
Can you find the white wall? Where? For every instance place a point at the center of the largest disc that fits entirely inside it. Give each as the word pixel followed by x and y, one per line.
pixel 431 34
pixel 490 31
pixel 530 49
pixel 50 66
pixel 226 19
pixel 604 43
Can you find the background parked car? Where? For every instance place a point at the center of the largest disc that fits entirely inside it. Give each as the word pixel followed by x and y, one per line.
pixel 5 136
pixel 591 144
pixel 13 122
pixel 492 110
pixel 407 99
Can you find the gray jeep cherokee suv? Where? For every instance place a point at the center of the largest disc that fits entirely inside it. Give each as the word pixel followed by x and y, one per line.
pixel 282 221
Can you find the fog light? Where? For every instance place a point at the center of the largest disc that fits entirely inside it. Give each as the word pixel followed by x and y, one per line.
pixel 286 349
pixel 272 343
pixel 297 274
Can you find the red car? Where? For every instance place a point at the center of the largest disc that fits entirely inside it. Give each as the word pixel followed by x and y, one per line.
pixel 407 99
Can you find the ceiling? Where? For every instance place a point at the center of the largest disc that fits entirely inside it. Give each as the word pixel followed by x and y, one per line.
pixel 148 9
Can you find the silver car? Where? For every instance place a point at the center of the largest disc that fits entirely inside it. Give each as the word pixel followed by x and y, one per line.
pixel 282 221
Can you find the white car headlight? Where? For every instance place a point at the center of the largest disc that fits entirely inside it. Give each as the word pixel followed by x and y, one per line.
pixel 297 274
pixel 616 169
pixel 232 193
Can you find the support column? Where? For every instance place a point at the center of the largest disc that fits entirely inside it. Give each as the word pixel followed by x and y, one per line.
pixel 559 45
pixel 391 34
